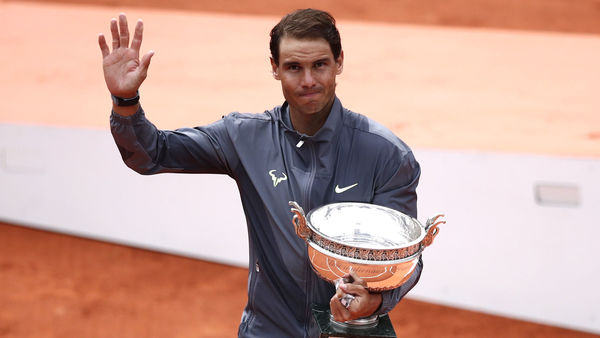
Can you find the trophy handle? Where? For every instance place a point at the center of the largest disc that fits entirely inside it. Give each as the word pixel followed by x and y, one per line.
pixel 299 221
pixel 431 227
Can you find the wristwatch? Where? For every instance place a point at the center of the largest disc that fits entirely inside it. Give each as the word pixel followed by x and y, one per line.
pixel 126 102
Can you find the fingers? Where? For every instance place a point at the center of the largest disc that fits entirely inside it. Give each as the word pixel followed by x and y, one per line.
pixel 339 292
pixel 124 31
pixel 136 43
pixel 353 289
pixel 114 31
pixel 355 278
pixel 338 311
pixel 103 46
pixel 120 33
pixel 363 302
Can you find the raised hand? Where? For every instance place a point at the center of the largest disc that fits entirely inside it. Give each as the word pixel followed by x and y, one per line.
pixel 124 72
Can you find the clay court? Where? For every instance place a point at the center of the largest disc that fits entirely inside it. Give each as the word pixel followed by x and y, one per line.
pixel 55 284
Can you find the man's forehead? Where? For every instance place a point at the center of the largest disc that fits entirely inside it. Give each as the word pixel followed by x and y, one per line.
pixel 301 48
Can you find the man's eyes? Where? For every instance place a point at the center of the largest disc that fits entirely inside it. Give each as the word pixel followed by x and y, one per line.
pixel 319 64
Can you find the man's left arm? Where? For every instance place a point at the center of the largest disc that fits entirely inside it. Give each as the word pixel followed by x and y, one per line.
pixel 399 193
pixel 396 186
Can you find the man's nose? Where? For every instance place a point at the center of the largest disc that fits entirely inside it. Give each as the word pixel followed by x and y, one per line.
pixel 308 79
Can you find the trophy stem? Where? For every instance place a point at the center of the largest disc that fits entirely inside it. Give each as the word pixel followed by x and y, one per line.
pixel 360 323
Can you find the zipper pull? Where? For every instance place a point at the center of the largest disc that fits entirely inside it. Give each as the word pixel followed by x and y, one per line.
pixel 300 143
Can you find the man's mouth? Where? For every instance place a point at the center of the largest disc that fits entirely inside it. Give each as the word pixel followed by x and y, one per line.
pixel 309 93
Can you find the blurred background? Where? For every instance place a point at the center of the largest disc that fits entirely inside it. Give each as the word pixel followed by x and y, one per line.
pixel 498 99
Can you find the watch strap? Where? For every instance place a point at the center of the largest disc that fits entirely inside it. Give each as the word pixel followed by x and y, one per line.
pixel 126 102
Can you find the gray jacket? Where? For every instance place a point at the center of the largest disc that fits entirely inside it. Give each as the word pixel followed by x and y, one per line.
pixel 273 164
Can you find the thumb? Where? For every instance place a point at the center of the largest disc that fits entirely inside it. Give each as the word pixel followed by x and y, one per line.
pixel 356 279
pixel 145 63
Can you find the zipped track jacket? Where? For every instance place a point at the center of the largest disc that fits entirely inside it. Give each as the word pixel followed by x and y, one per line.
pixel 350 159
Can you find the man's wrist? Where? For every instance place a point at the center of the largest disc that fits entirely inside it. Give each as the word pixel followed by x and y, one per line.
pixel 126 101
pixel 379 298
pixel 125 111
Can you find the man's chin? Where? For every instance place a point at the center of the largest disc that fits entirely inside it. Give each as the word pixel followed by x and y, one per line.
pixel 311 109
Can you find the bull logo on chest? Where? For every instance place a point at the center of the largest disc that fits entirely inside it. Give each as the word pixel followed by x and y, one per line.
pixel 277 177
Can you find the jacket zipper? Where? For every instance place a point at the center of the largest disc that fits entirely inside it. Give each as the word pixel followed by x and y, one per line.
pixel 308 279
pixel 252 291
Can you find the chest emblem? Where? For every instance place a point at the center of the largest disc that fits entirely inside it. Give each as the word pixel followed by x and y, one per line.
pixel 339 190
pixel 277 176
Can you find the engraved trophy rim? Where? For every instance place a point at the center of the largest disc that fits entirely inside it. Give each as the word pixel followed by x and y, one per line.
pixel 361 252
pixel 348 259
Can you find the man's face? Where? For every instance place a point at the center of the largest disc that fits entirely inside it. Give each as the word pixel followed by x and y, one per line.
pixel 307 71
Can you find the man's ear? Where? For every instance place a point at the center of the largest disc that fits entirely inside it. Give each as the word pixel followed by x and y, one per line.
pixel 340 63
pixel 275 69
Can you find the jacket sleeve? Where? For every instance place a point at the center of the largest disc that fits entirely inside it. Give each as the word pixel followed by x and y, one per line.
pixel 398 191
pixel 148 150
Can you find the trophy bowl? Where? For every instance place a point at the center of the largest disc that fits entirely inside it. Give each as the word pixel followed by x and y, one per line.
pixel 381 245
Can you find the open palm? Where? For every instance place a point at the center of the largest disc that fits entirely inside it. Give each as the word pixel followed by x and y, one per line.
pixel 124 72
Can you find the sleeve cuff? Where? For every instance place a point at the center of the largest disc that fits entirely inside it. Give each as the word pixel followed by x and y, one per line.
pixel 387 303
pixel 138 114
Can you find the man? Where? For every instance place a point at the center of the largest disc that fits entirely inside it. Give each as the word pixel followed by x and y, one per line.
pixel 310 150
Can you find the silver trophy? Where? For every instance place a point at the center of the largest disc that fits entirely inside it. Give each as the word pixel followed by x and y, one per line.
pixel 381 245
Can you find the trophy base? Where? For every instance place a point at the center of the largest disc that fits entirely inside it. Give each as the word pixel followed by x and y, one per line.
pixel 374 326
pixel 360 323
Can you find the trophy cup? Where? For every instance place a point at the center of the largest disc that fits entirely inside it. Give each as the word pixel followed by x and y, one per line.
pixel 381 245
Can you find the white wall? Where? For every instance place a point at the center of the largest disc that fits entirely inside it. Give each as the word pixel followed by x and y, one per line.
pixel 503 252
pixel 500 252
pixel 74 181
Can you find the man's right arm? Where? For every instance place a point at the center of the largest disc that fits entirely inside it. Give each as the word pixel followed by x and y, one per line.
pixel 143 147
pixel 148 150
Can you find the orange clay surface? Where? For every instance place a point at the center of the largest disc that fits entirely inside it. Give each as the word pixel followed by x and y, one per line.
pixel 54 285
pixel 436 87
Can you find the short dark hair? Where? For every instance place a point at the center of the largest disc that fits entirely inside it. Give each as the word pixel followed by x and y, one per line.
pixel 306 24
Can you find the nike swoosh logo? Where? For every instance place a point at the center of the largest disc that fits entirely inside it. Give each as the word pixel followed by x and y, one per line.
pixel 339 190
